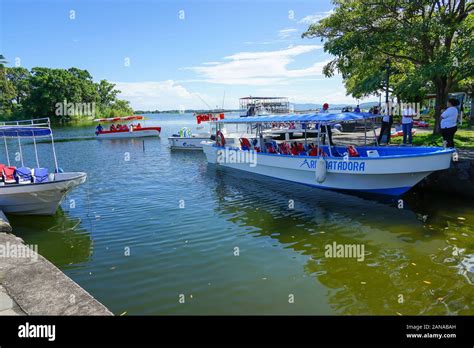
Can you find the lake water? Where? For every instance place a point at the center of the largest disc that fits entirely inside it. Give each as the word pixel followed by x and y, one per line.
pixel 151 227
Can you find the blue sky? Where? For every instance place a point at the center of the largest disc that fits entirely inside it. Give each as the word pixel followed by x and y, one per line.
pixel 163 54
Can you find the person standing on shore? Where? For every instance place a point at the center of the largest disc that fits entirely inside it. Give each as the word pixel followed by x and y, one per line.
pixel 407 124
pixel 449 121
pixel 387 121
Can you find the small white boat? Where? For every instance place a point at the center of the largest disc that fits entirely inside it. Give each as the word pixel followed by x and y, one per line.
pixel 34 191
pixel 388 170
pixel 134 130
pixel 190 142
pixel 185 140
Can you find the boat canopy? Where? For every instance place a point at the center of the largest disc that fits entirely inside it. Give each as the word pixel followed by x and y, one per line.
pixel 24 132
pixel 39 127
pixel 305 118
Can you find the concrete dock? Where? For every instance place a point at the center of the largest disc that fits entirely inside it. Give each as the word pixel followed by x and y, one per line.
pixel 31 285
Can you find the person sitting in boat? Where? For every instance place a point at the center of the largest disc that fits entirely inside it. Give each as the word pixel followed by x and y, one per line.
pixel 124 128
pixel 357 109
pixel 112 128
pixel 99 128
pixel 139 125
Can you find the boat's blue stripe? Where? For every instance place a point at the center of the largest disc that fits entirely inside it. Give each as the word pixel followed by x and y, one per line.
pixel 433 153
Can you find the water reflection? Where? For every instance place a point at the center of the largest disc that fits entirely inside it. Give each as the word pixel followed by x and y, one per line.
pixel 417 261
pixel 61 239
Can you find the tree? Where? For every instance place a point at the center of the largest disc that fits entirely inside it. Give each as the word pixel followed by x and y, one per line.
pixel 52 86
pixel 107 93
pixel 7 90
pixel 20 78
pixel 45 92
pixel 430 42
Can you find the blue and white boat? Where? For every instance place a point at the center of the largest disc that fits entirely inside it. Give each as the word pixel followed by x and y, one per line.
pixel 388 170
pixel 32 191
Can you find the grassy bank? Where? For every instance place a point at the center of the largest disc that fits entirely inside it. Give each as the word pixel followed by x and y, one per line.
pixel 464 139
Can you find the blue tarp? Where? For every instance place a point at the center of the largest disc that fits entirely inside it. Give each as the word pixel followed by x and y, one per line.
pixel 8 131
pixel 309 118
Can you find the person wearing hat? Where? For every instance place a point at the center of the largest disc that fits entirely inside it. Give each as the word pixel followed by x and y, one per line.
pixel 449 121
pixel 327 128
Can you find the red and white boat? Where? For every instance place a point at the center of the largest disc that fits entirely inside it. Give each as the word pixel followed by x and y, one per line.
pixel 133 130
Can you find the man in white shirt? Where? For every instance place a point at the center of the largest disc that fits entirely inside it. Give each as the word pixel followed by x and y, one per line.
pixel 449 121
pixel 407 124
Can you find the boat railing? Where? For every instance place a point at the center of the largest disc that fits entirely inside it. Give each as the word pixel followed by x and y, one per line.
pixel 38 122
pixel 28 129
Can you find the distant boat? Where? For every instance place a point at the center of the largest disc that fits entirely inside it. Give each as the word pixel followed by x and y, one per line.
pixel 185 140
pixel 134 130
pixel 388 170
pixel 33 191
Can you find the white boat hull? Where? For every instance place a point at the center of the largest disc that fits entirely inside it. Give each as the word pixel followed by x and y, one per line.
pixel 382 175
pixel 187 143
pixel 129 134
pixel 39 198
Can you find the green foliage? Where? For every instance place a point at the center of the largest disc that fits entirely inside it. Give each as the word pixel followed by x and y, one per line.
pixel 430 45
pixel 57 93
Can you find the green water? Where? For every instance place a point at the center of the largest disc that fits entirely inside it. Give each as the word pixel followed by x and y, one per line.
pixel 150 225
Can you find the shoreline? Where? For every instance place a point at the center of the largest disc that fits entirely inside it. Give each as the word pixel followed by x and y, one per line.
pixel 36 287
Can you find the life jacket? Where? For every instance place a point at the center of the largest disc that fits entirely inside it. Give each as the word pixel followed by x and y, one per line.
pixel 315 151
pixel 284 149
pixel 294 150
pixel 352 151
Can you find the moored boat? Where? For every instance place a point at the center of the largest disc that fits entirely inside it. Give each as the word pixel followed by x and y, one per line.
pixel 186 140
pixel 33 191
pixel 134 130
pixel 389 170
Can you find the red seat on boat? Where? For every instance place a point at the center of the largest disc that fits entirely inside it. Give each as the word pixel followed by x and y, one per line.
pixel 245 144
pixel 294 149
pixel 284 148
pixel 1 170
pixel 301 149
pixel 8 174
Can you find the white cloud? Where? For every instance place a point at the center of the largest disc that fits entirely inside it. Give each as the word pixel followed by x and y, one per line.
pixel 286 33
pixel 161 95
pixel 260 68
pixel 315 18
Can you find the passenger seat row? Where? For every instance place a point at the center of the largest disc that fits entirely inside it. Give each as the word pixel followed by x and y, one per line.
pixel 22 175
